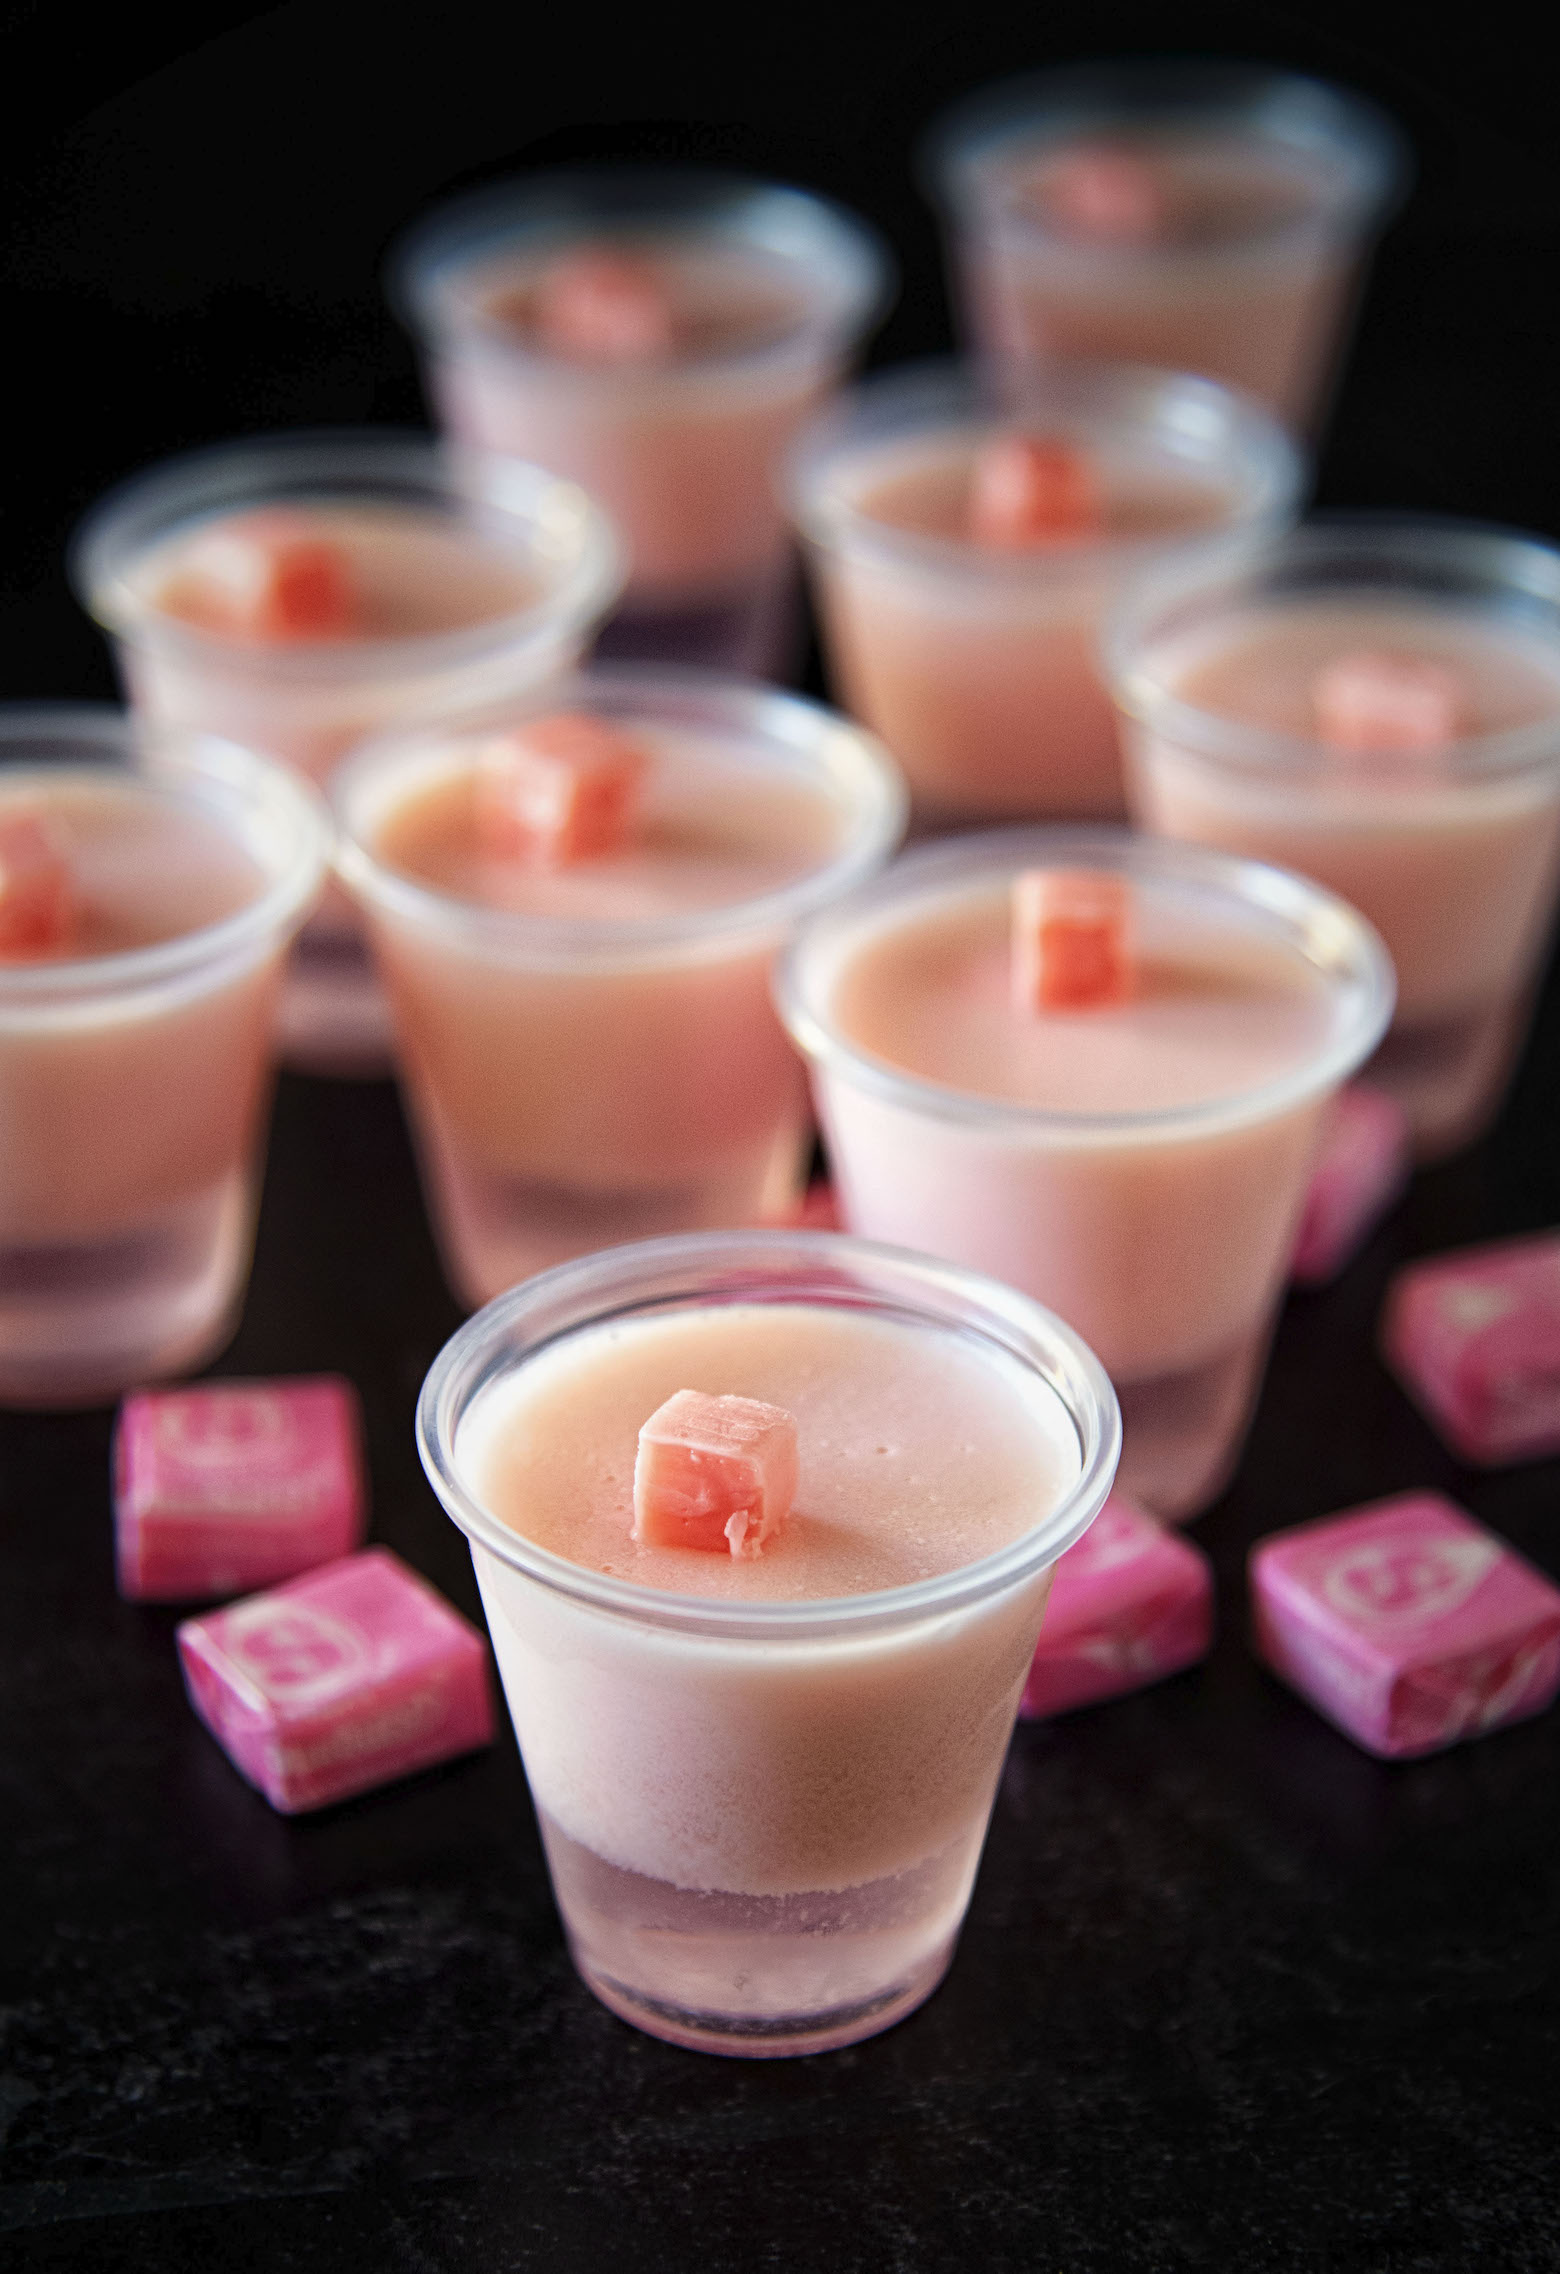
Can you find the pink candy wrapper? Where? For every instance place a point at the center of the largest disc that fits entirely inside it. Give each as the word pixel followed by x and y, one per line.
pixel 235 1485
pixel 1363 1166
pixel 349 1678
pixel 1475 1340
pixel 1407 1624
pixel 1129 1604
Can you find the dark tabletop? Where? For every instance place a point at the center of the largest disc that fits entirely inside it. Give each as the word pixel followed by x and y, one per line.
pixel 1232 1995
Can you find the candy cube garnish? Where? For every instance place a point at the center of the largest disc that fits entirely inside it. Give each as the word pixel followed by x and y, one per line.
pixel 1363 1166
pixel 234 1485
pixel 1111 195
pixel 1027 492
pixel 353 1676
pixel 37 896
pixel 1406 1623
pixel 1474 1338
pixel 1381 702
pixel 717 1473
pixel 1072 946
pixel 558 789
pixel 606 307
pixel 265 576
pixel 1129 1604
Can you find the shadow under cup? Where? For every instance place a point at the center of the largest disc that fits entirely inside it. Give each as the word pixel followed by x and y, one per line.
pixel 134 1085
pixel 837 1758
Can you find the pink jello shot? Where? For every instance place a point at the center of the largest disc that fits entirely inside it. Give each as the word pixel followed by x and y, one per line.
pixel 298 592
pixel 1474 1337
pixel 149 892
pixel 353 1676
pixel 763 1765
pixel 1130 1604
pixel 1361 1170
pixel 588 1047
pixel 1375 703
pixel 960 619
pixel 1407 1624
pixel 1210 217
pixel 1130 1144
pixel 658 334
pixel 233 1485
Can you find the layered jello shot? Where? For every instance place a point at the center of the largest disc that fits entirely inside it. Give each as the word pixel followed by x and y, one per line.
pixel 148 895
pixel 1376 703
pixel 296 592
pixel 1210 217
pixel 963 554
pixel 1097 1065
pixel 575 908
pixel 657 334
pixel 764 1528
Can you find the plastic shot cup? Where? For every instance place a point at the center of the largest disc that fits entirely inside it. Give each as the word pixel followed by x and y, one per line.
pixel 1204 216
pixel 1152 1201
pixel 763 1818
pixel 977 663
pixel 1451 851
pixel 135 1081
pixel 681 448
pixel 577 1080
pixel 467 603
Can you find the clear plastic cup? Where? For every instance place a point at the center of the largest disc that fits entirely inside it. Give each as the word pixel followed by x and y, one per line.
pixel 682 453
pixel 870 1728
pixel 1162 1234
pixel 1453 853
pixel 1283 185
pixel 977 664
pixel 308 701
pixel 577 1082
pixel 134 1086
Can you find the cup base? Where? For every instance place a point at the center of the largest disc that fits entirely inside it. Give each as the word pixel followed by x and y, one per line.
pixel 787 2037
pixel 335 1018
pixel 1450 1078
pixel 755 631
pixel 1182 1434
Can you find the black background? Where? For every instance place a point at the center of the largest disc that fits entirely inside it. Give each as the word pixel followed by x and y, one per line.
pixel 1232 1996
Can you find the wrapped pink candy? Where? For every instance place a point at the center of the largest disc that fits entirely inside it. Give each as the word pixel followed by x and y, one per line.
pixel 1129 1604
pixel 348 1678
pixel 234 1485
pixel 1363 1166
pixel 1475 1340
pixel 1407 1624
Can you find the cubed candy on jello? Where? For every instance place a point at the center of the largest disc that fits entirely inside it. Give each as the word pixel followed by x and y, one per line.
pixel 1027 492
pixel 1362 1167
pixel 345 1679
pixel 1406 1623
pixel 1072 947
pixel 233 1485
pixel 1376 701
pixel 606 307
pixel 37 899
pixel 265 576
pixel 717 1473
pixel 1107 193
pixel 1129 1604
pixel 558 789
pixel 1474 1338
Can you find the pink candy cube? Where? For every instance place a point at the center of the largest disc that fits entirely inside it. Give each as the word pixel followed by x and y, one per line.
pixel 606 307
pixel 1474 1338
pixel 1386 702
pixel 1028 492
pixel 1072 946
pixel 1407 1624
pixel 1364 1165
pixel 1110 195
pixel 235 1485
pixel 559 789
pixel 1129 1604
pixel 346 1679
pixel 266 576
pixel 37 903
pixel 717 1473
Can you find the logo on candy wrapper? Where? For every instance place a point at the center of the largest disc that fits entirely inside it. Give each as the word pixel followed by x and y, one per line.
pixel 297 1654
pixel 1397 1582
pixel 213 1428
pixel 1114 1538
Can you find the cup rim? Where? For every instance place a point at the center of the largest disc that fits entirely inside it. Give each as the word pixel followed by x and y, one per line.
pixel 95 740
pixel 549 516
pixel 1440 547
pixel 669 694
pixel 661 1269
pixel 1093 401
pixel 1325 929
